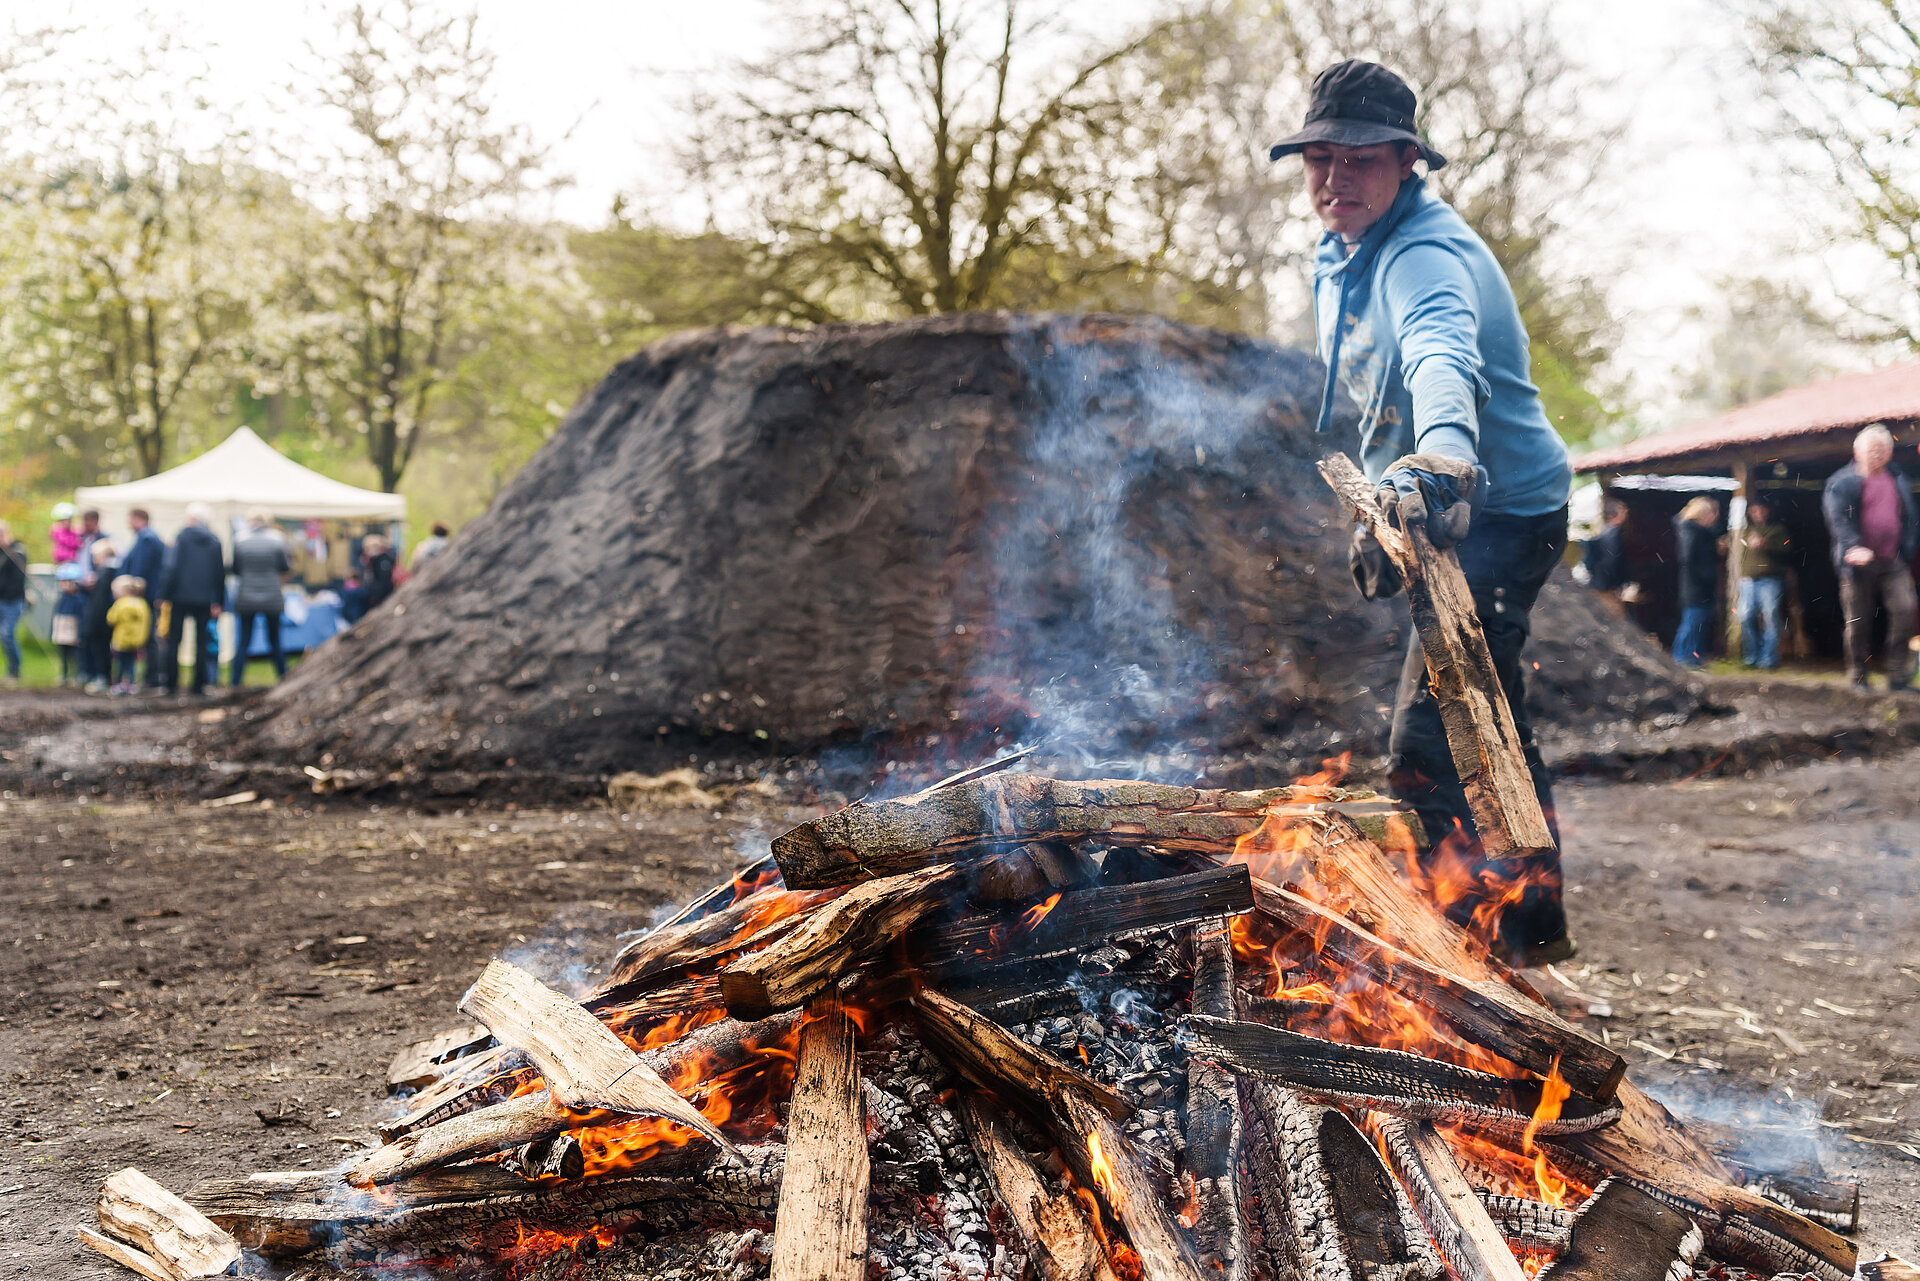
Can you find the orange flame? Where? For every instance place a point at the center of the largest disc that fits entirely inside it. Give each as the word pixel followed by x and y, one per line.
pixel 1038 912
pixel 1554 1091
pixel 1102 1168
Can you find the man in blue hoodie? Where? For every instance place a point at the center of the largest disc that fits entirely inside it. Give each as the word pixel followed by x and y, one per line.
pixel 1417 322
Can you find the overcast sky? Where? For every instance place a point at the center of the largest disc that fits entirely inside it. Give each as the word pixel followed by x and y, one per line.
pixel 1694 196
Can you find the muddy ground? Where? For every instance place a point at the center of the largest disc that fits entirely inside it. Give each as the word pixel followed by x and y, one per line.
pixel 204 991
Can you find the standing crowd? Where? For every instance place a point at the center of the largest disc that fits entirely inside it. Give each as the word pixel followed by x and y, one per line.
pixel 123 608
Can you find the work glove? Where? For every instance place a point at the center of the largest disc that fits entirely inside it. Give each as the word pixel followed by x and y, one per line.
pixel 1433 490
pixel 1377 577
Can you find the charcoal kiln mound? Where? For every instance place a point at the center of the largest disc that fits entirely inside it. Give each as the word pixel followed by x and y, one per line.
pixel 906 541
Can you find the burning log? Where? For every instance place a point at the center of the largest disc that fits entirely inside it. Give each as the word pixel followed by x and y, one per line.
pixel 1480 729
pixel 1214 1124
pixel 828 943
pixel 1267 1182
pixel 1031 871
pixel 1059 1242
pixel 155 1233
pixel 1623 1234
pixel 1350 1220
pixel 823 1235
pixel 674 948
pixel 1472 1244
pixel 714 1050
pixel 1097 1150
pixel 976 820
pixel 557 1156
pixel 1392 1081
pixel 1532 1229
pixel 585 1065
pixel 998 1062
pixel 1484 1011
pixel 1082 919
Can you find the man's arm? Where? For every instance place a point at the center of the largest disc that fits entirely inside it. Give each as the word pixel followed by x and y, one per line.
pixel 1431 299
pixel 1842 525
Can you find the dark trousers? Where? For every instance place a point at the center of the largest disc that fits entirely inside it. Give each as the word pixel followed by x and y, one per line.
pixel 206 664
pixel 1887 584
pixel 125 666
pixel 271 617
pixel 96 653
pixel 158 655
pixel 1507 560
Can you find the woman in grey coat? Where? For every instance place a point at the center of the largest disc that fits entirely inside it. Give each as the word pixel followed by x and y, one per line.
pixel 261 564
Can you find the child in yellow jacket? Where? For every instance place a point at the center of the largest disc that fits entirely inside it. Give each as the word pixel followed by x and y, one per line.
pixel 131 621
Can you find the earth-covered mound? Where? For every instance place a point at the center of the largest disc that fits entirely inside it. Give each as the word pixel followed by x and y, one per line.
pixel 913 542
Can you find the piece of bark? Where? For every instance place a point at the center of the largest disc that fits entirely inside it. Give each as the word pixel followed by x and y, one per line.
pixel 1214 1124
pixel 821 1234
pixel 584 1064
pixel 1468 1239
pixel 1888 1268
pixel 1485 1012
pixel 975 821
pixel 995 1060
pixel 1080 920
pixel 422 1063
pixel 1351 1221
pixel 1104 1154
pixel 177 1237
pixel 831 941
pixel 1392 1081
pixel 1473 705
pixel 125 1255
pixel 552 1156
pixel 1622 1234
pixel 1059 1242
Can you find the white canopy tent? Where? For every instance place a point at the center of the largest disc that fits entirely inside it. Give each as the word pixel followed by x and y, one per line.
pixel 236 476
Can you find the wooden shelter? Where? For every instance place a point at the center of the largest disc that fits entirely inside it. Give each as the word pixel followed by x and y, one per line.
pixel 1780 450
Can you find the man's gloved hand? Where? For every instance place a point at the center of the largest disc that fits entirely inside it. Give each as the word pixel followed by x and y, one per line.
pixel 1433 490
pixel 1377 577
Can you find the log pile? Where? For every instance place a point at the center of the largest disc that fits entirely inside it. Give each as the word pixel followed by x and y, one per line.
pixel 1178 1055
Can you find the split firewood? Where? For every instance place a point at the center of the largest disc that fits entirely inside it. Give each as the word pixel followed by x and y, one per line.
pixel 1622 1234
pixel 424 1062
pixel 1080 920
pixel 1103 1155
pixel 1059 1242
pixel 997 1061
pixel 855 926
pixel 585 1065
pixel 1214 1124
pixel 1888 1268
pixel 975 821
pixel 1531 1229
pixel 1350 1219
pixel 715 1049
pixel 1392 1081
pixel 1484 1012
pixel 125 1255
pixel 472 1082
pixel 1473 1246
pixel 1473 706
pixel 822 1236
pixel 179 1240
pixel 673 947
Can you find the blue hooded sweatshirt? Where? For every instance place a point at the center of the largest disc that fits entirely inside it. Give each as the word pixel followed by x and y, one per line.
pixel 1431 347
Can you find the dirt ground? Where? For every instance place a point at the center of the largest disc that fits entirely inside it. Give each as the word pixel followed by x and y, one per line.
pixel 204 991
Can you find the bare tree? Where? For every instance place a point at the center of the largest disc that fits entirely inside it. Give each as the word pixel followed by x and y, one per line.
pixel 1846 78
pixel 425 193
pixel 914 155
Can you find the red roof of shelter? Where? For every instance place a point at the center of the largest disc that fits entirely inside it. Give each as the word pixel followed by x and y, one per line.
pixel 1853 400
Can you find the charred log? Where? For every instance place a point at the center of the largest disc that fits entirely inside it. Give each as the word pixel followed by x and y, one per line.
pixel 1622 1234
pixel 1214 1124
pixel 1472 1244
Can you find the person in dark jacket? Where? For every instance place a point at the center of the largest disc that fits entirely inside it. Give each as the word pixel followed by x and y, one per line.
pixel 1606 552
pixel 1875 529
pixel 13 597
pixel 377 562
pixel 194 586
pixel 261 564
pixel 1764 545
pixel 146 560
pixel 96 633
pixel 1699 557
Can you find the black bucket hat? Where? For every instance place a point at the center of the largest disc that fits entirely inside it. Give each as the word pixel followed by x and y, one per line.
pixel 1359 104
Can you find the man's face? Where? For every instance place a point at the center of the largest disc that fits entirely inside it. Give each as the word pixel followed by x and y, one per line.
pixel 1759 513
pixel 90 523
pixel 1353 187
pixel 137 522
pixel 1872 455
